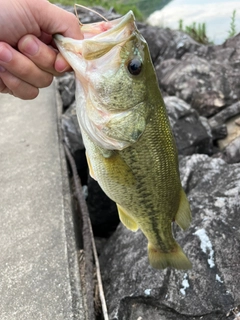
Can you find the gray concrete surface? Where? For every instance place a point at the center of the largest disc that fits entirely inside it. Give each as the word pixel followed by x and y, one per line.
pixel 39 277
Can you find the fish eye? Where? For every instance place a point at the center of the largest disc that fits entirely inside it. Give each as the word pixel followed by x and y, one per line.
pixel 135 66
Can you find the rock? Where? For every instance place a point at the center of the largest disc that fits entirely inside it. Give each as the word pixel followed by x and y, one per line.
pixel 233 129
pixel 231 154
pixel 66 87
pixel 219 132
pixel 227 52
pixel 230 118
pixel 234 44
pixel 87 14
pixel 102 210
pixel 71 129
pixel 192 133
pixel 207 77
pixel 226 114
pixel 166 44
pixel 73 139
pixel 200 82
pixel 134 290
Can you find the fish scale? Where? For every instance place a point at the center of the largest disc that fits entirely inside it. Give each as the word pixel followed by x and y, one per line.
pixel 129 144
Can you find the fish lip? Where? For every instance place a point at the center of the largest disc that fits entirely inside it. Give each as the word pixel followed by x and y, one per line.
pixel 111 36
pixel 118 24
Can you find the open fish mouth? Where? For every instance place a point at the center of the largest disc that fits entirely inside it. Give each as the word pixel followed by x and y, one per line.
pixel 99 38
pixel 100 64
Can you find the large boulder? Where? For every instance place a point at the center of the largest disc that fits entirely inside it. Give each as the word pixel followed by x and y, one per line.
pixel 231 153
pixel 102 210
pixel 166 43
pixel 73 138
pixel 192 132
pixel 66 87
pixel 136 291
pixel 208 85
pixel 229 117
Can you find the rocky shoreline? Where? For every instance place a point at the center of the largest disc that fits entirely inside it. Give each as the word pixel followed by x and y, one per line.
pixel 201 89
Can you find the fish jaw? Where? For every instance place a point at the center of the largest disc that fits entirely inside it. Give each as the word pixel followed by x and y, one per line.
pixel 84 55
pixel 98 62
pixel 99 38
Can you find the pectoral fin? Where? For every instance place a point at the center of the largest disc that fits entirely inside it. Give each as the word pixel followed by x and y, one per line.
pixel 128 221
pixel 183 217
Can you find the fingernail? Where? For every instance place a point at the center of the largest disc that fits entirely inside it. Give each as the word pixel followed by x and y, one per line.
pixel 61 64
pixel 2 69
pixel 61 68
pixel 29 46
pixel 5 54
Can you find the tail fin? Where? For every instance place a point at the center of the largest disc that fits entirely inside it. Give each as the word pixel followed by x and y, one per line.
pixel 175 259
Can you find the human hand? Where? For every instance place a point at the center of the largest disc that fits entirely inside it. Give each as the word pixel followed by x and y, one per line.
pixel 35 62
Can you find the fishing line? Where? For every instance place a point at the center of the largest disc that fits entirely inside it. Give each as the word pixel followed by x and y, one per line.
pixel 88 9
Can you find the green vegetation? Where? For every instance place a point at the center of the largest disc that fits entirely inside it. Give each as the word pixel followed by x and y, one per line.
pixel 196 31
pixel 147 7
pixel 119 5
pixel 232 32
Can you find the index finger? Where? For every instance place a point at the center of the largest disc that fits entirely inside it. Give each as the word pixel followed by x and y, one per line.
pixel 40 54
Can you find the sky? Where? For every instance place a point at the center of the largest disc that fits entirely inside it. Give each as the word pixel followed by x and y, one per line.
pixel 215 13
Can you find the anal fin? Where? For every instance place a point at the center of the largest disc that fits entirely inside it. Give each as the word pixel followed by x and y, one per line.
pixel 128 221
pixel 183 217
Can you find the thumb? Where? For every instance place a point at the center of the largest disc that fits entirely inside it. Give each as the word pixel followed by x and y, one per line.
pixel 52 19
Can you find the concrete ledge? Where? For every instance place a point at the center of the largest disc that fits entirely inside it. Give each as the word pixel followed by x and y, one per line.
pixel 39 275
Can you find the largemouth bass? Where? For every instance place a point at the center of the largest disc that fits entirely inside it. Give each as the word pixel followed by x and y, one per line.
pixel 129 144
